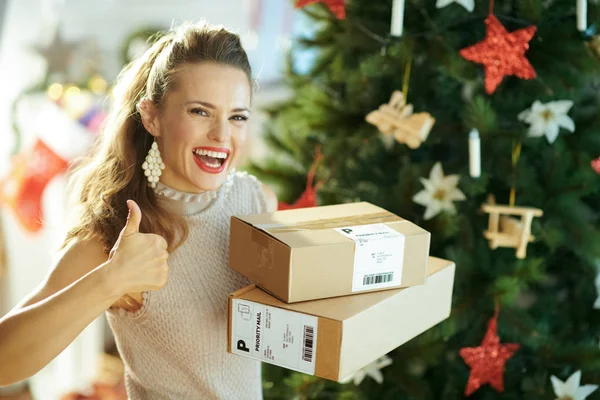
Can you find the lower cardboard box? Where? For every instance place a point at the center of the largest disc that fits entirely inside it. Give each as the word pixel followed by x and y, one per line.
pixel 333 338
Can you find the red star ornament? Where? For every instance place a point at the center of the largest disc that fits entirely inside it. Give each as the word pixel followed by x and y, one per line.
pixel 502 53
pixel 335 6
pixel 488 360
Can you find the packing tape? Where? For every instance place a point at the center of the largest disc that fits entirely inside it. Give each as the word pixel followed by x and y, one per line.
pixel 340 222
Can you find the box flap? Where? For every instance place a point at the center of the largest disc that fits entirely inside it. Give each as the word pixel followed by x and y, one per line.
pixel 339 308
pixel 286 218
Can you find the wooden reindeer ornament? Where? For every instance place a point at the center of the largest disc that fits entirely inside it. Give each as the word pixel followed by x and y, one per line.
pixel 506 231
pixel 397 119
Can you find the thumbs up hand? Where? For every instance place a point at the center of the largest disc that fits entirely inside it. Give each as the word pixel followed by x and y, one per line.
pixel 138 261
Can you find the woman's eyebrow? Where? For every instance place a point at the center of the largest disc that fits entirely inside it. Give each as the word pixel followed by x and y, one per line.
pixel 212 106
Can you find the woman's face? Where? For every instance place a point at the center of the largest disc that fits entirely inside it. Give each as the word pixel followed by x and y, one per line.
pixel 202 125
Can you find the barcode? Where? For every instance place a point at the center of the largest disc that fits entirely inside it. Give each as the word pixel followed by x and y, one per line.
pixel 307 349
pixel 378 278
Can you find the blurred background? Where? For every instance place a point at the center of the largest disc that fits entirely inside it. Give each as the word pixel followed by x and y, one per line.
pixel 58 59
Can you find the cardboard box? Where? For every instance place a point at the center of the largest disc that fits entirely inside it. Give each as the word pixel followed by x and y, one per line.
pixel 333 338
pixel 329 251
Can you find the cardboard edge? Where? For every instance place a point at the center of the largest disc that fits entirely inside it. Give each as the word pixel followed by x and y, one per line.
pixel 230 298
pixel 447 312
pixel 408 287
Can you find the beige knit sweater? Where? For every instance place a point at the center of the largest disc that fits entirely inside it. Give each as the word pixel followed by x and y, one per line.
pixel 175 346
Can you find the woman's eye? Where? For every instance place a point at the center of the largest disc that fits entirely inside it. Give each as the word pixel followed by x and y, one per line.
pixel 199 111
pixel 240 118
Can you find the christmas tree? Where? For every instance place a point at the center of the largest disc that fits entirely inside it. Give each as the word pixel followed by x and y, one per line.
pixel 523 74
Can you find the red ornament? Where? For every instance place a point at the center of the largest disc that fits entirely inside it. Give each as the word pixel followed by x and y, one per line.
pixel 335 6
pixel 309 197
pixel 502 53
pixel 22 190
pixel 487 361
pixel 596 165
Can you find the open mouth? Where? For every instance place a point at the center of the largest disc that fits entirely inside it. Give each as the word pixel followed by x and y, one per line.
pixel 211 159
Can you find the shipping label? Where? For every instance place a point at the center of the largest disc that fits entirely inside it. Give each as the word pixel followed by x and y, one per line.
pixel 270 334
pixel 378 258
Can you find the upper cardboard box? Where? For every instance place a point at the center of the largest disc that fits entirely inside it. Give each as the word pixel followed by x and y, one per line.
pixel 328 251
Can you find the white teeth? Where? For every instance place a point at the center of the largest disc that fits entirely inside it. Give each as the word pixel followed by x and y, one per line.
pixel 214 154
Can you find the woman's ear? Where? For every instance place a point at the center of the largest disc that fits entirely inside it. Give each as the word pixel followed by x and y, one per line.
pixel 148 113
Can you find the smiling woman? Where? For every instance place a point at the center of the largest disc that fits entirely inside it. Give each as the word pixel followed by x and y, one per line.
pixel 150 247
pixel 200 124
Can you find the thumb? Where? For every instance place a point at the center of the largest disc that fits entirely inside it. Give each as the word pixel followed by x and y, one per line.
pixel 133 219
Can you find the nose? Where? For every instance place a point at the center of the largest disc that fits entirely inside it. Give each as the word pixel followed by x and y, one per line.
pixel 220 131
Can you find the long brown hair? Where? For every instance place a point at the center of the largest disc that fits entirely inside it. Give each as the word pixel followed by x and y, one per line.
pixel 103 182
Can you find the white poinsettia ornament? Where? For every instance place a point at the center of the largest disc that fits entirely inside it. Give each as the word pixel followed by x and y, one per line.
pixel 468 4
pixel 373 370
pixel 439 193
pixel 570 390
pixel 547 119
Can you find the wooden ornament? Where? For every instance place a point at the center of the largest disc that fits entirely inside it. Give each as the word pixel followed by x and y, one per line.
pixel 397 119
pixel 506 231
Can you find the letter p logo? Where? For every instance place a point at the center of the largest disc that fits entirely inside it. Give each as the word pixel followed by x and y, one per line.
pixel 241 345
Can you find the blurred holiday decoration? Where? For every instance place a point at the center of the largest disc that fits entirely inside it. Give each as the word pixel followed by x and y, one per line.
pixel 597 282
pixel 439 193
pixel 3 254
pixel 488 360
pixel 22 190
pixel 582 15
pixel 337 7
pixel 397 119
pixel 547 119
pixel 596 165
pixel 594 45
pixel 506 231
pixel 58 55
pixel 397 26
pixel 68 112
pixel 474 154
pixel 137 43
pixel 372 370
pixel 309 196
pixel 502 53
pixel 109 384
pixel 571 389
pixel 69 61
pixel 469 5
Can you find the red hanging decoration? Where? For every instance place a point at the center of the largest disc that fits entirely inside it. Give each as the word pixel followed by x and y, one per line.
pixel 488 360
pixel 502 53
pixel 335 6
pixel 22 190
pixel 309 197
pixel 596 165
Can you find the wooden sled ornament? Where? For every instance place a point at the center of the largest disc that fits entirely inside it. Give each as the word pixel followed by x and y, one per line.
pixel 397 119
pixel 505 231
